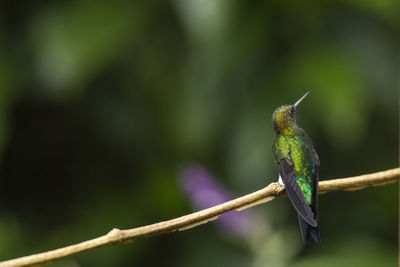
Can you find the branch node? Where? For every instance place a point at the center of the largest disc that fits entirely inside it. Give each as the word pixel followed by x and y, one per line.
pixel 117 236
pixel 114 231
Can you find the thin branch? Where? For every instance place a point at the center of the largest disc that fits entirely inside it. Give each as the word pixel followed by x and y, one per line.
pixel 272 191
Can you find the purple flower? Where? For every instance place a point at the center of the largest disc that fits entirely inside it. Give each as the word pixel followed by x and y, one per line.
pixel 204 191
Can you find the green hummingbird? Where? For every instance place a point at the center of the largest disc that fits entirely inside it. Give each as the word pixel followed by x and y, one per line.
pixel 298 166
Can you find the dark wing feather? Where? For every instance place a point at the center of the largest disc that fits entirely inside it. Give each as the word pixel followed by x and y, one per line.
pixel 314 203
pixel 315 160
pixel 286 170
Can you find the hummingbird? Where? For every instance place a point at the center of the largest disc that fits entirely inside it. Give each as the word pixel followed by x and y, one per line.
pixel 298 166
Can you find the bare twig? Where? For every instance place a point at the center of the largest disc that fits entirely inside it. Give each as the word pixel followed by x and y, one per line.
pixel 266 194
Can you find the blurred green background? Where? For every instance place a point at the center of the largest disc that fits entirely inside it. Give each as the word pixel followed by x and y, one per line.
pixel 103 104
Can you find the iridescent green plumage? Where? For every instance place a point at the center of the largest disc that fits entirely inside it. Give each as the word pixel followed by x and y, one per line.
pixel 298 166
pixel 296 144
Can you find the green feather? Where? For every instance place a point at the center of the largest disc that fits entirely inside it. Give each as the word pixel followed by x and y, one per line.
pixel 295 145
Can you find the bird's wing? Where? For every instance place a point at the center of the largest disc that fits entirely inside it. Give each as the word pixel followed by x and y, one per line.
pixel 314 203
pixel 315 160
pixel 286 170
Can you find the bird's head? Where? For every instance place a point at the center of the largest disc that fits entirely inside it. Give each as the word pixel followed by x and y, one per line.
pixel 284 117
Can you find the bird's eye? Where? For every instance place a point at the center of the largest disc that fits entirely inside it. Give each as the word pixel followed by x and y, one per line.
pixel 291 111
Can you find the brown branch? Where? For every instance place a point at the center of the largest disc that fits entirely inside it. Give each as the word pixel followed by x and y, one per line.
pixel 266 194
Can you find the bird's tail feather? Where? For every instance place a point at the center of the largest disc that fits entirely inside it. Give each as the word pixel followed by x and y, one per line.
pixel 308 230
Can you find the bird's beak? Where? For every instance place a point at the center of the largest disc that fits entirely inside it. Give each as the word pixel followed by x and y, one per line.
pixel 301 99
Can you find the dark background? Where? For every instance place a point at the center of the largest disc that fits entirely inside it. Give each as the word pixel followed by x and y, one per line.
pixel 108 107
